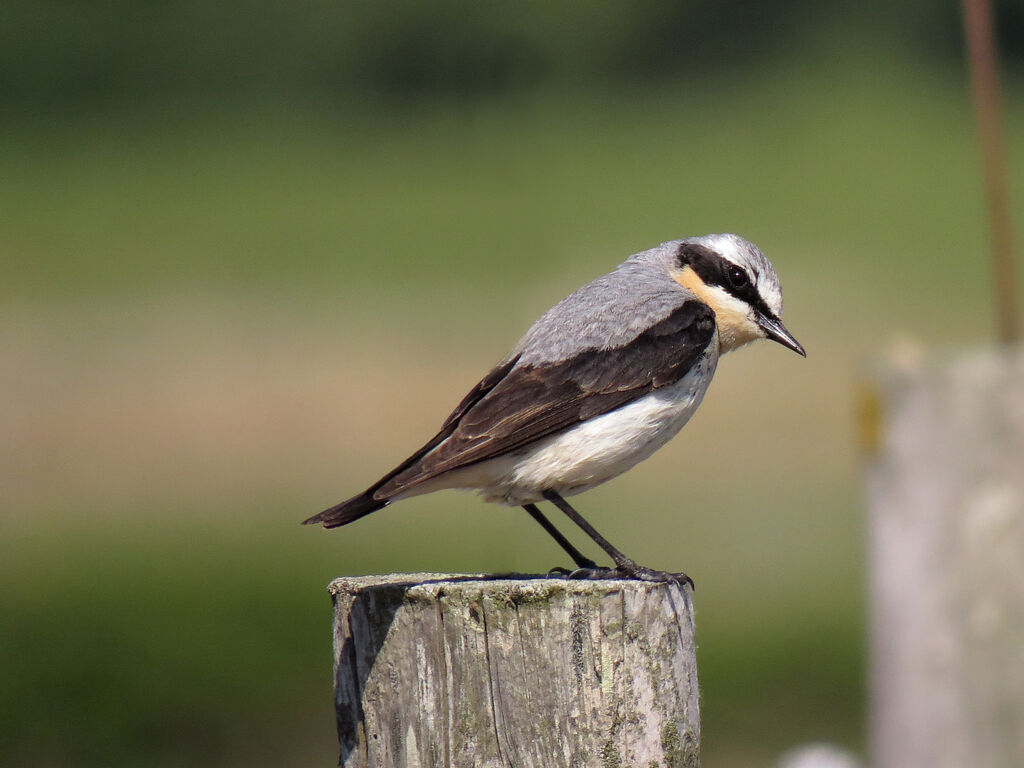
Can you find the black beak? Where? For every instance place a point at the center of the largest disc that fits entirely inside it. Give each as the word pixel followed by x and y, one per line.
pixel 776 331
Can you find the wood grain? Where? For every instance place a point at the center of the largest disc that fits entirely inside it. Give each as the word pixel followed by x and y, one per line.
pixel 455 670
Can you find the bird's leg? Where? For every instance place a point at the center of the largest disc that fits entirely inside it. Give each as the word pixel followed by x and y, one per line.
pixel 623 565
pixel 581 560
pixel 576 517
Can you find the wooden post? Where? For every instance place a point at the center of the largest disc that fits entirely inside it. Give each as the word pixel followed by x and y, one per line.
pixel 946 538
pixel 446 671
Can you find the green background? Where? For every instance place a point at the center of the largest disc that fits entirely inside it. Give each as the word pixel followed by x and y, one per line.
pixel 252 255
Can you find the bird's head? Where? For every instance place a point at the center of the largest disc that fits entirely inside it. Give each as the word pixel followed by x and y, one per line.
pixel 734 278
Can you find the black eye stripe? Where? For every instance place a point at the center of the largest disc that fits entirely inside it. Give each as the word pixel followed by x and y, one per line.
pixel 709 266
pixel 713 269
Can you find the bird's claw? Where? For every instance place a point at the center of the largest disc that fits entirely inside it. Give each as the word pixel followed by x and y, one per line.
pixel 625 570
pixel 630 570
pixel 583 572
pixel 592 572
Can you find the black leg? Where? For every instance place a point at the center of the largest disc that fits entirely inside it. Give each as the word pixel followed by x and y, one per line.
pixel 623 565
pixel 577 518
pixel 581 560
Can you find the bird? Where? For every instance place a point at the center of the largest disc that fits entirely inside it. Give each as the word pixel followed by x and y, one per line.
pixel 597 384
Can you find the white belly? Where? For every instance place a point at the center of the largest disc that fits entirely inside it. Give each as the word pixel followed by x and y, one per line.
pixel 592 452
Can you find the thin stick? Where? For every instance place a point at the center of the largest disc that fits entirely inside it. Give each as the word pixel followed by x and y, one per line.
pixel 987 109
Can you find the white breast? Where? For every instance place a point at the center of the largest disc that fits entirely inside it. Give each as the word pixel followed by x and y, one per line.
pixel 592 452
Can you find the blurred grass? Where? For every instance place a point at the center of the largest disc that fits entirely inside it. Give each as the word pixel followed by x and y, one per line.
pixel 343 199
pixel 205 310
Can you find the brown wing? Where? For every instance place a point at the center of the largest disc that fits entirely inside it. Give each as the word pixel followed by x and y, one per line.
pixel 474 396
pixel 533 401
pixel 369 500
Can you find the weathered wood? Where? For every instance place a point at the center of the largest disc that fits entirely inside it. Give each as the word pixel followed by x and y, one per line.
pixel 946 532
pixel 448 671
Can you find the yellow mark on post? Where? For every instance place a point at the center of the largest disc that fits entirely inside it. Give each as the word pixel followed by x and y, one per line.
pixel 869 419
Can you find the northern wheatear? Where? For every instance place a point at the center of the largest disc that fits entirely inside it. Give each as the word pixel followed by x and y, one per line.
pixel 600 382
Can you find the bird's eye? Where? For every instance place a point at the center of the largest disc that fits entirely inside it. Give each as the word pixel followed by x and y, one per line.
pixel 737 277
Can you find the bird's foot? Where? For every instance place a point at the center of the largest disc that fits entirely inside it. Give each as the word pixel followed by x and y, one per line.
pixel 627 569
pixel 592 571
pixel 630 570
pixel 584 565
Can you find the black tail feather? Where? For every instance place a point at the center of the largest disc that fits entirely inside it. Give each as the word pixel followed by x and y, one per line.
pixel 347 511
pixel 365 503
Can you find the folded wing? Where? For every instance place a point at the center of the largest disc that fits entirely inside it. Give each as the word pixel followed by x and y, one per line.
pixel 513 408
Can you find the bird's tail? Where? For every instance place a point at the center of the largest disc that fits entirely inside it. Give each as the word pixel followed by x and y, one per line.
pixel 347 511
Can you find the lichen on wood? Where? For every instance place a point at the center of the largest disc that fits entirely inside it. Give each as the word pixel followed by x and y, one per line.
pixel 454 670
